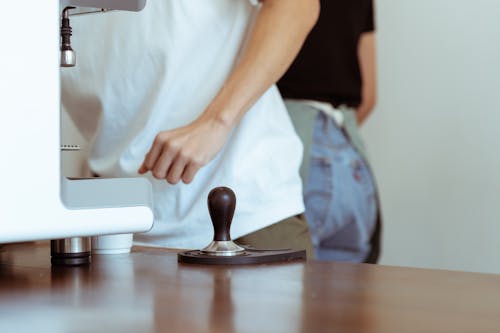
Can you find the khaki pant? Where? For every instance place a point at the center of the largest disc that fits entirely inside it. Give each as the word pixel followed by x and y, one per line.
pixel 291 233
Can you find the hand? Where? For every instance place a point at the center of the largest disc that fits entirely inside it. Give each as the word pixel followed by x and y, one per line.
pixel 178 154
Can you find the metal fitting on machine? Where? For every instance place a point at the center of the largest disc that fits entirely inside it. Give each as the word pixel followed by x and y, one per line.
pixel 70 251
pixel 68 57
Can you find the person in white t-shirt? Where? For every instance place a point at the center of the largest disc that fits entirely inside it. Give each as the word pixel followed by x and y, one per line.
pixel 183 93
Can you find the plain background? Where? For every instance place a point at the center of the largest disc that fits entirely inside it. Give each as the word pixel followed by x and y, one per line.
pixel 434 137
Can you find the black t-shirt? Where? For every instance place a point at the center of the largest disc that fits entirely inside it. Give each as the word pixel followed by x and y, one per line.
pixel 327 67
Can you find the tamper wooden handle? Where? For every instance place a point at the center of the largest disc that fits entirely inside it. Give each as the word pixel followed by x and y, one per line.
pixel 221 204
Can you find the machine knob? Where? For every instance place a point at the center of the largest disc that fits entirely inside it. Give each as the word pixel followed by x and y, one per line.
pixel 221 204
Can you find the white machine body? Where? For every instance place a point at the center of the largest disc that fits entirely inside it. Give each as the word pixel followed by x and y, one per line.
pixel 36 201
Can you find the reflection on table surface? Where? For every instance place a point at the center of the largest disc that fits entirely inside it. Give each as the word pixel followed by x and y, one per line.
pixel 148 291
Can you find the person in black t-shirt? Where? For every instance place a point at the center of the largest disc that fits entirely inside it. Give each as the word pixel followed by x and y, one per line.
pixel 329 90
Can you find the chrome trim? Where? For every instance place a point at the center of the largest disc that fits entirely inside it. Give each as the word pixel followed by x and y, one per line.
pixel 70 245
pixel 68 58
pixel 223 248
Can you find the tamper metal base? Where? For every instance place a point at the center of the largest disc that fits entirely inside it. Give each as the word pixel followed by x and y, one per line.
pixel 249 256
pixel 223 248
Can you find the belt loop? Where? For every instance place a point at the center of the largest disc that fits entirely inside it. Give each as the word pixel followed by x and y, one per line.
pixel 339 116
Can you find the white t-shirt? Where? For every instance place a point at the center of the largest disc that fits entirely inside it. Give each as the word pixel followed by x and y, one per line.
pixel 141 73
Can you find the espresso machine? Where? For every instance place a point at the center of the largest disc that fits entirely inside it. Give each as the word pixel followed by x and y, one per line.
pixel 37 201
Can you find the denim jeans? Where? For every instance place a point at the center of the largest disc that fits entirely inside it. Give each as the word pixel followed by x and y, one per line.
pixel 339 193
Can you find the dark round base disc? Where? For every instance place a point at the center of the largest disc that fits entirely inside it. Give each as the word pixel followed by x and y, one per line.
pixel 70 259
pixel 250 256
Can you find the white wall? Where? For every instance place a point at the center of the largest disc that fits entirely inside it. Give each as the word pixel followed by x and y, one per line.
pixel 435 135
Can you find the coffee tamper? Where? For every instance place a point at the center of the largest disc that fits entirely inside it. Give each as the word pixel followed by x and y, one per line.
pixel 221 204
pixel 222 250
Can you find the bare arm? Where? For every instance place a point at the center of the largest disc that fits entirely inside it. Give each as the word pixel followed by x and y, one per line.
pixel 279 31
pixel 367 61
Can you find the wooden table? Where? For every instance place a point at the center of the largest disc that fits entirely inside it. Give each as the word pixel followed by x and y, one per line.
pixel 148 291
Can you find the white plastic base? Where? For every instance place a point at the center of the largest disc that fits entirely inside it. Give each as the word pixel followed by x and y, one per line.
pixel 112 244
pixel 111 251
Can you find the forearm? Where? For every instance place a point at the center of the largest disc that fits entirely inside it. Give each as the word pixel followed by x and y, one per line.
pixel 279 31
pixel 363 112
pixel 368 102
pixel 367 61
pixel 278 34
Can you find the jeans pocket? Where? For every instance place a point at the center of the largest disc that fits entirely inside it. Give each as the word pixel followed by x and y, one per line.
pixel 318 195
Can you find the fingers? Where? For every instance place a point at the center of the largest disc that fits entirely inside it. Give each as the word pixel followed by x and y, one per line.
pixel 190 171
pixel 177 155
pixel 143 169
pixel 164 163
pixel 176 169
pixel 150 160
pixel 171 165
pixel 183 168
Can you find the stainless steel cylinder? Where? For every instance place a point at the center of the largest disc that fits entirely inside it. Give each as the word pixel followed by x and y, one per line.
pixel 70 251
pixel 68 58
